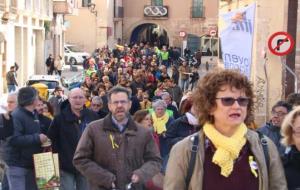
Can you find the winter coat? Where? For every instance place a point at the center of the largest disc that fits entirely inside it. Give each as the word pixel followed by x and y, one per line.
pixel 273 132
pixel 291 164
pixel 11 78
pixel 102 163
pixel 65 131
pixel 6 131
pixel 180 157
pixel 25 140
pixel 179 129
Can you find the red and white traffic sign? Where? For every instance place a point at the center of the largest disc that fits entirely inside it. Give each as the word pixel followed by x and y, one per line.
pixel 212 32
pixel 182 34
pixel 281 43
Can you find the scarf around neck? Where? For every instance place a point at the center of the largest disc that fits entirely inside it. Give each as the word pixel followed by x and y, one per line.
pixel 227 148
pixel 191 119
pixel 159 124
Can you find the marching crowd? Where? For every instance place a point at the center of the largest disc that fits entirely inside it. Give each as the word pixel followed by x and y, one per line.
pixel 141 119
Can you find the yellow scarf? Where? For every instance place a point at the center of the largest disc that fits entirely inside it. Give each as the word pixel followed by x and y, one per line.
pixel 228 148
pixel 159 124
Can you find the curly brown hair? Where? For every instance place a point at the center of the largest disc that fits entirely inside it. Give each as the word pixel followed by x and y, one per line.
pixel 204 95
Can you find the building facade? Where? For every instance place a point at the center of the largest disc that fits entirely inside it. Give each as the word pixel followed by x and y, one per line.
pixel 180 24
pixel 22 37
pixel 133 21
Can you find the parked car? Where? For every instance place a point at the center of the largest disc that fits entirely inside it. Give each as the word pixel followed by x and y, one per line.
pixel 74 55
pixel 51 81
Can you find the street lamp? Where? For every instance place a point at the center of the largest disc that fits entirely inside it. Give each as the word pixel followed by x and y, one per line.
pixel 92 8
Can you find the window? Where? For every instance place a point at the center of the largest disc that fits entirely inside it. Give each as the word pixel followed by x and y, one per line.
pixel 85 3
pixel 197 9
pixel 157 2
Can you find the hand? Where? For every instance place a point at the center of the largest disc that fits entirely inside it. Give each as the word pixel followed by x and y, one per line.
pixel 43 138
pixel 135 178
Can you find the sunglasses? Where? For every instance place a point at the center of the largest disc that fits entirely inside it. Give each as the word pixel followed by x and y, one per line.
pixel 229 101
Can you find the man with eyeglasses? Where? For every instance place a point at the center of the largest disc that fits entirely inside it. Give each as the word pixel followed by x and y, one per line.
pixel 65 132
pixel 115 151
pixel 272 128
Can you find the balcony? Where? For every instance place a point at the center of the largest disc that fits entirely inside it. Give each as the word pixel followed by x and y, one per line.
pixel 197 12
pixel 156 11
pixel 62 7
pixel 119 12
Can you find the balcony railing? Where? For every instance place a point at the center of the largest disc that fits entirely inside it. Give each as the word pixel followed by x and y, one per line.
pixel 197 12
pixel 119 12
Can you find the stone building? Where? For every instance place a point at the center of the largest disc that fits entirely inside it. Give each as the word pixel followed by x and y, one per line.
pixel 180 23
pixel 22 36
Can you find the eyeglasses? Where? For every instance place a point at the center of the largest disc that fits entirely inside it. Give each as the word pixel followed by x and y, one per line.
pixel 229 101
pixel 96 105
pixel 77 97
pixel 280 114
pixel 122 102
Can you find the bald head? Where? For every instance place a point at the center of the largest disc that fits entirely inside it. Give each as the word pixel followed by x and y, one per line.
pixel 76 99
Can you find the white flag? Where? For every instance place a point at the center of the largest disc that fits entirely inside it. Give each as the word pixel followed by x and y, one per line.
pixel 237 38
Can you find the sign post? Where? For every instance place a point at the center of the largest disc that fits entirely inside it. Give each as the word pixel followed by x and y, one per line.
pixel 281 44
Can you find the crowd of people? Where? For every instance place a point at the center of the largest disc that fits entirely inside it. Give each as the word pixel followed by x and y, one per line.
pixel 140 120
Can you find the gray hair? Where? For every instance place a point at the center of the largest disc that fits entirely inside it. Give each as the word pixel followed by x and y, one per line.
pixel 97 99
pixel 159 103
pixel 165 94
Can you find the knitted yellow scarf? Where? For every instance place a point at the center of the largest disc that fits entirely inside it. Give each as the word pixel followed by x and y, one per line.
pixel 228 148
pixel 159 124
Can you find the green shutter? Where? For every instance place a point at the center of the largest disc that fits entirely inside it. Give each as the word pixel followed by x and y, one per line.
pixel 197 9
pixel 157 3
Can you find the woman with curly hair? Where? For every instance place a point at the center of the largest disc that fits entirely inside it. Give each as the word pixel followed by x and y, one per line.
pixel 229 155
pixel 290 131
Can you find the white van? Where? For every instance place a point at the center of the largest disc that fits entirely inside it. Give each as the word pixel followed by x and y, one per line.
pixel 73 54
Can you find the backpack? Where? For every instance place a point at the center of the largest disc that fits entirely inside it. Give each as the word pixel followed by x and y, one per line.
pixel 195 148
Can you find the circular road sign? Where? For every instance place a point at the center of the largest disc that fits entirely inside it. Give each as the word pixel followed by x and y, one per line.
pixel 213 33
pixel 182 34
pixel 281 43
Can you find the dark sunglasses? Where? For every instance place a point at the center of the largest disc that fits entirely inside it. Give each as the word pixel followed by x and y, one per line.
pixel 229 101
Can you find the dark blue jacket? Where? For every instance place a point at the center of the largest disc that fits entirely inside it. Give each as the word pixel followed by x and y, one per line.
pixel 65 132
pixel 273 132
pixel 25 140
pixel 291 164
pixel 178 130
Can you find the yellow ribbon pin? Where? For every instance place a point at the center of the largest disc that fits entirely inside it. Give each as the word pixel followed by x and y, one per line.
pixel 113 143
pixel 253 166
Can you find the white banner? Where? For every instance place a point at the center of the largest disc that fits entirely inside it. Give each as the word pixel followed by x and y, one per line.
pixel 237 38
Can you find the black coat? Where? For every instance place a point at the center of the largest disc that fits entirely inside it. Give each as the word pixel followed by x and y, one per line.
pixel 6 127
pixel 291 163
pixel 65 132
pixel 25 140
pixel 178 130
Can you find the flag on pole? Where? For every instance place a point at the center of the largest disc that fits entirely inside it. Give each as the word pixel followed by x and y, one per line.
pixel 237 39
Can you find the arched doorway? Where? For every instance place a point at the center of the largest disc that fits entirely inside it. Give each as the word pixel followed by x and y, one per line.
pixel 152 33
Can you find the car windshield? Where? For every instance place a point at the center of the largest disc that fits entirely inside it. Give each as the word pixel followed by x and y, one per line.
pixel 74 48
pixel 50 84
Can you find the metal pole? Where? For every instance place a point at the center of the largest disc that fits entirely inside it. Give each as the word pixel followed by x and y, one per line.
pixel 292 72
